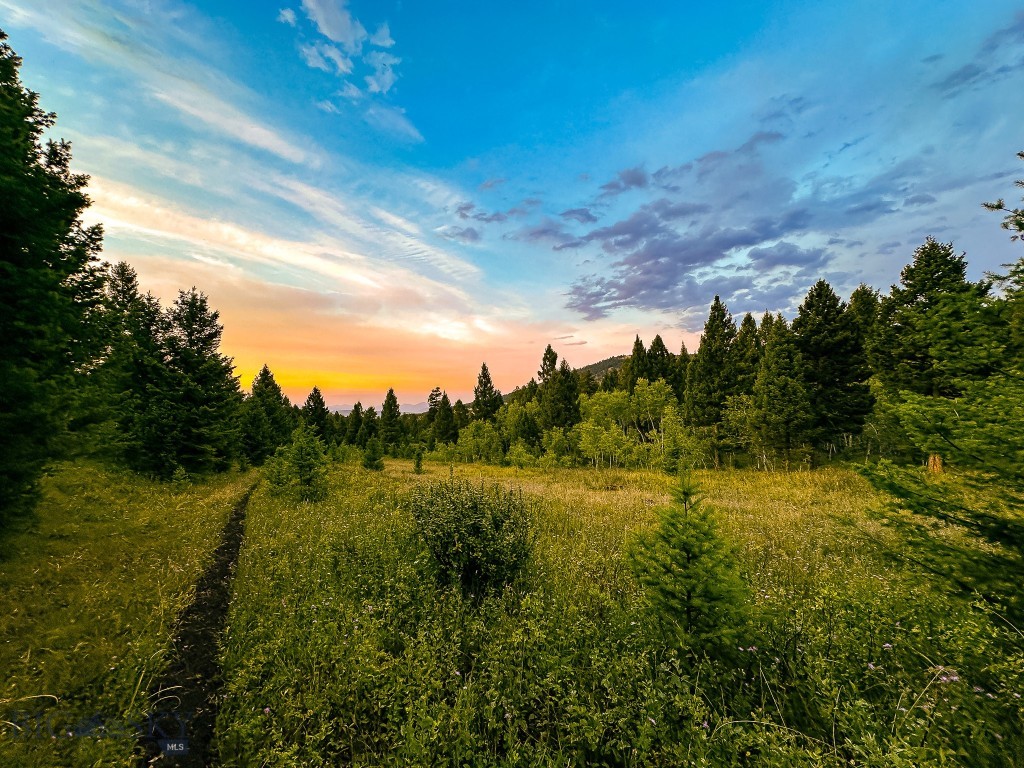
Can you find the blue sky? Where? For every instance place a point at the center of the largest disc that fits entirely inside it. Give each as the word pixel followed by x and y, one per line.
pixel 386 194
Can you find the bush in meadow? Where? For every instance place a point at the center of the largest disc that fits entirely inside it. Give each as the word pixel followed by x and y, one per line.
pixel 373 455
pixel 479 537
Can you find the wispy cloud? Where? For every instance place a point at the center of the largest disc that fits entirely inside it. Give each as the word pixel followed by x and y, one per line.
pixel 287 16
pixel 383 76
pixel 393 120
pixel 336 23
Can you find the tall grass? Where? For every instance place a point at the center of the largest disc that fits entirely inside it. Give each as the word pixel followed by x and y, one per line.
pixel 343 650
pixel 88 599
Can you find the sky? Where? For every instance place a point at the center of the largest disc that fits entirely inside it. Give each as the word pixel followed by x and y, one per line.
pixel 386 194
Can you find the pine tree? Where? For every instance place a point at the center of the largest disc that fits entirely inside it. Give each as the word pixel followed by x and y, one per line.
pixel 678 381
pixel 690 576
pixel 486 399
pixel 433 401
pixel 50 285
pixel 560 397
pixel 202 392
pixel 369 428
pixel 746 355
pixel 548 365
pixel 835 369
pixel 354 425
pixel 710 377
pixel 782 407
pixel 373 455
pixel 660 362
pixel 316 415
pixel 637 366
pixel 445 430
pixel 266 393
pixel 460 412
pixel 933 306
pixel 390 425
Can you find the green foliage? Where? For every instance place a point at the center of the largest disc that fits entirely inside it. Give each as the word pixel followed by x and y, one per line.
pixel 373 455
pixel 926 323
pixel 390 424
pixel 182 403
pixel 479 537
pixel 444 427
pixel 833 365
pixel 417 465
pixel 316 415
pixel 486 399
pixel 300 468
pixel 710 376
pixel 50 285
pixel 690 576
pixel 354 424
pixel 266 420
pixel 782 406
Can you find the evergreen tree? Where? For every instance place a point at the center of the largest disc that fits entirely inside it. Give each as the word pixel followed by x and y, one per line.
pixel 369 428
pixel 373 455
pixel 202 393
pixel 660 362
pixel 316 415
pixel 486 399
pixel 863 314
pixel 610 380
pixel 782 407
pixel 678 381
pixel 690 576
pixel 548 365
pixel 354 424
pixel 267 394
pixel 934 305
pixel 636 367
pixel 445 430
pixel 746 355
pixel 585 381
pixel 433 401
pixel 460 411
pixel 560 397
pixel 835 369
pixel 390 425
pixel 50 285
pixel 710 377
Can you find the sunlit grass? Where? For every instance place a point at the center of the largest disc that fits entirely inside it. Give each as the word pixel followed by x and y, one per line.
pixel 343 650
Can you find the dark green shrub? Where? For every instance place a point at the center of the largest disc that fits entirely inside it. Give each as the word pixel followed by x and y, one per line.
pixel 479 537
pixel 417 462
pixel 373 455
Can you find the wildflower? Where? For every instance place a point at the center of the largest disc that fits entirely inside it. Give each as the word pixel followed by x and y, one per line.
pixel 457 673
pixel 651 719
pixel 871 666
pixel 266 710
pixel 705 725
pixel 887 646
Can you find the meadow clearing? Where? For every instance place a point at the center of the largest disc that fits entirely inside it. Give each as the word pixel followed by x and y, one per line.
pixel 342 648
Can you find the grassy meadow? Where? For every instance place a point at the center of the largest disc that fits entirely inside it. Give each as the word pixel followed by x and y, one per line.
pixel 342 648
pixel 89 596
